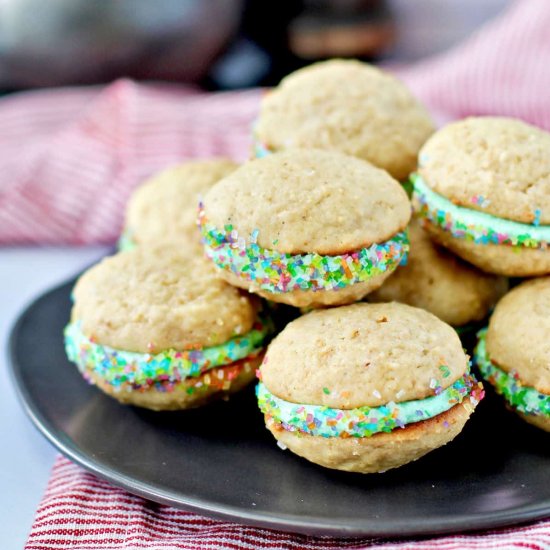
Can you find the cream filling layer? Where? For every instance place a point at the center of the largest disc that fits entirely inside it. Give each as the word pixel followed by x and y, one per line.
pixel 279 272
pixel 525 399
pixel 118 367
pixel 324 421
pixel 473 225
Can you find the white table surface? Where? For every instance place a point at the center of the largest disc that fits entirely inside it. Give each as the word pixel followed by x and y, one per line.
pixel 26 457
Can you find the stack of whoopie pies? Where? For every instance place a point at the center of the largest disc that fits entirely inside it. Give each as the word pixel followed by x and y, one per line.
pixel 390 238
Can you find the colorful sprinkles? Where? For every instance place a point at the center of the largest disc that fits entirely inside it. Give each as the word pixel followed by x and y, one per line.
pixel 445 371
pixel 126 242
pixel 476 226
pixel 364 421
pixel 480 200
pixel 260 149
pixel 279 272
pixel 133 370
pixel 508 384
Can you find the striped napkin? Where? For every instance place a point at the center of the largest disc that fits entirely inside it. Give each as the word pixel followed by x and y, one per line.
pixel 70 159
pixel 82 512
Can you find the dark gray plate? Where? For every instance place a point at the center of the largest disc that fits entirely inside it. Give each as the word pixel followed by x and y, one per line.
pixel 221 461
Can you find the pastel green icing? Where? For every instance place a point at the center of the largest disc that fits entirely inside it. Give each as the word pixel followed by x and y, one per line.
pixel 365 421
pixel 281 272
pixel 474 225
pixel 259 149
pixel 125 241
pixel 118 367
pixel 525 399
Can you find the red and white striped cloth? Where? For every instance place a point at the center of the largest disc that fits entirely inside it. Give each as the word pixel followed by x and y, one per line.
pixel 81 512
pixel 70 159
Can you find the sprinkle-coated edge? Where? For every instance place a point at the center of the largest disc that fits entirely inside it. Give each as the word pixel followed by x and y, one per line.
pixel 318 420
pixel 127 369
pixel 525 399
pixel 473 225
pixel 278 272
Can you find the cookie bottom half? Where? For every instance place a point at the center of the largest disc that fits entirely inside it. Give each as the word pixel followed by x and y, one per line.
pixel 312 298
pixel 540 421
pixel 190 393
pixel 503 259
pixel 379 452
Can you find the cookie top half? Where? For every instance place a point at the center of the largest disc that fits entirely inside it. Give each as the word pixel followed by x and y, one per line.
pixel 303 201
pixel 363 355
pixel 346 106
pixel 497 165
pixel 154 299
pixel 518 335
pixel 164 208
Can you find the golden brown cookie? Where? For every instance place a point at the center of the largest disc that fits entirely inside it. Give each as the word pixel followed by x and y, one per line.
pixel 440 282
pixel 159 329
pixel 483 190
pixel 306 227
pixel 513 354
pixel 366 387
pixel 164 208
pixel 345 106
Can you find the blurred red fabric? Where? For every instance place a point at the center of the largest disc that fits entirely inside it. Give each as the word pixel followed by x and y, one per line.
pixel 82 512
pixel 71 157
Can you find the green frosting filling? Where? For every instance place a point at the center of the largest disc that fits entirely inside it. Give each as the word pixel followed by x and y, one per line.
pixel 279 272
pixel 524 398
pixel 118 367
pixel 125 242
pixel 259 149
pixel 473 225
pixel 365 421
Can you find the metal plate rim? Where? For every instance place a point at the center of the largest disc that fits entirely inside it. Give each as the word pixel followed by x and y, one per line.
pixel 311 526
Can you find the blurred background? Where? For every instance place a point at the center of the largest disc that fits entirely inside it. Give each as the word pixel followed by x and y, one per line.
pixel 218 44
